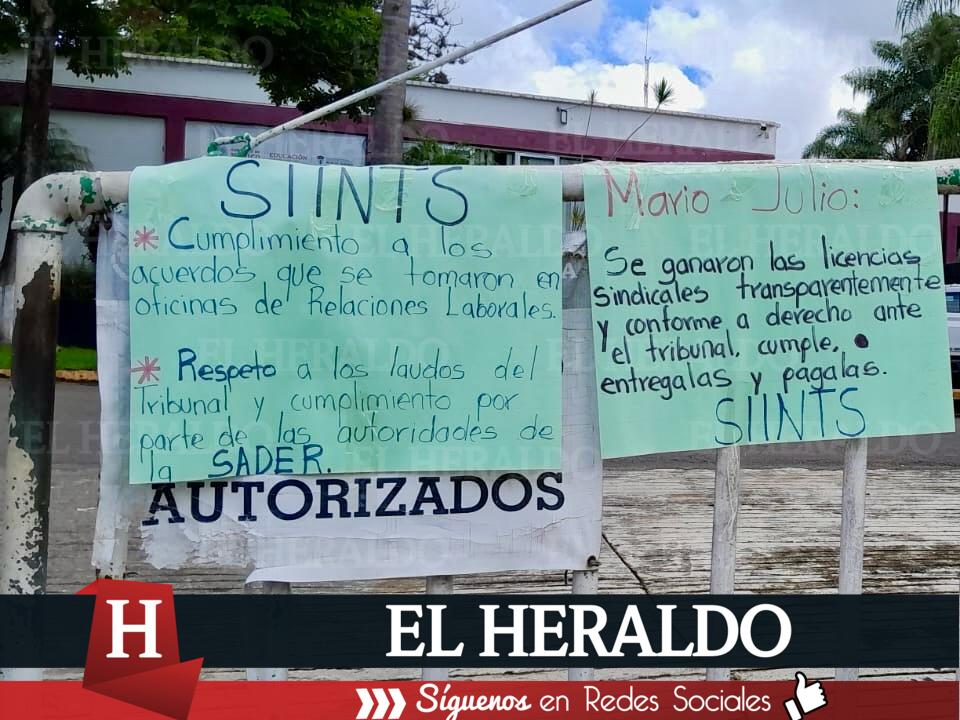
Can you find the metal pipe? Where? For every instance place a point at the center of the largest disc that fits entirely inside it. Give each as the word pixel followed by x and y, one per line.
pixel 726 514
pixel 585 582
pixel 24 512
pixel 853 517
pixel 43 214
pixel 52 203
pixel 408 75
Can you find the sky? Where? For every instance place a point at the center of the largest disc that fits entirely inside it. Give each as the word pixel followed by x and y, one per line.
pixel 778 60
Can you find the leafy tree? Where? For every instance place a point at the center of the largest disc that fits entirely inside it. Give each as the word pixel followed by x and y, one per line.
pixel 911 12
pixel 431 152
pixel 161 27
pixel 855 135
pixel 901 92
pixel 82 31
pixel 944 136
pixel 306 52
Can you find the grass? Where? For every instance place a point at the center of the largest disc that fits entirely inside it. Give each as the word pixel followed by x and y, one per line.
pixel 68 358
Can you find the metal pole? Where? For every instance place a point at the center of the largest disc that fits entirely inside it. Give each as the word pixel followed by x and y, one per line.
pixel 267 588
pixel 24 514
pixel 408 75
pixel 853 513
pixel 438 585
pixel 25 506
pixel 585 582
pixel 40 219
pixel 42 216
pixel 726 512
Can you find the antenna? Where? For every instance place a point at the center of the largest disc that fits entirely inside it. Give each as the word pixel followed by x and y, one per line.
pixel 646 65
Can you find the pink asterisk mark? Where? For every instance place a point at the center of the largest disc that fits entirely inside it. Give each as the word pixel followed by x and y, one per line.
pixel 148 369
pixel 145 238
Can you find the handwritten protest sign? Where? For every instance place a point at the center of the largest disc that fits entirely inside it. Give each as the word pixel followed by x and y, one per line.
pixel 289 319
pixel 740 304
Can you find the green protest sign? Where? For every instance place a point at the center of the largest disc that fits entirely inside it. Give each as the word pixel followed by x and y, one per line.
pixel 743 304
pixel 297 319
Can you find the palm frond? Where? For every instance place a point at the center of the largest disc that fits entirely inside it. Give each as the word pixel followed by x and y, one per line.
pixel 854 136
pixel 944 129
pixel 912 12
pixel 663 92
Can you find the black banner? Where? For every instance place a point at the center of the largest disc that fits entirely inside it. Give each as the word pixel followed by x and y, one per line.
pixel 362 631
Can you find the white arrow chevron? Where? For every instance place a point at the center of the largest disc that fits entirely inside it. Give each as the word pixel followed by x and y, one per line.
pixel 383 704
pixel 366 703
pixel 398 703
pixel 379 697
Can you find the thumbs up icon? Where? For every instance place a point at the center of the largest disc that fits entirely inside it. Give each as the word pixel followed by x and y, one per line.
pixel 807 698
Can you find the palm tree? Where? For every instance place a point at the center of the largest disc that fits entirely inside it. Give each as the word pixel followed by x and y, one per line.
pixel 944 135
pixel 855 135
pixel 910 12
pixel 386 131
pixel 901 91
pixel 663 92
pixel 429 151
pixel 62 153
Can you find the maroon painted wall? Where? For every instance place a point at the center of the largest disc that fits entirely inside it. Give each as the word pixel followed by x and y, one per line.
pixel 176 111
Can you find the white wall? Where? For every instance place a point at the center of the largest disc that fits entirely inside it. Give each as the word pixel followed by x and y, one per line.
pixel 181 78
pixel 114 142
pixel 304 146
pixel 464 105
pixel 220 81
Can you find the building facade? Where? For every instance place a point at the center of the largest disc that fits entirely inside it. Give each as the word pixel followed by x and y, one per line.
pixel 169 109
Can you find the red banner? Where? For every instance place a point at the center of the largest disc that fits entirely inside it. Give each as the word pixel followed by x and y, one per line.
pixel 293 700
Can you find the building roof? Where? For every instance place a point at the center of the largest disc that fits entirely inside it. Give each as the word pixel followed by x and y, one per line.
pixel 570 102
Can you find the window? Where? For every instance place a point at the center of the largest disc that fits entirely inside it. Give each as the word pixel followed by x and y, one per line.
pixel 953 302
pixel 527 159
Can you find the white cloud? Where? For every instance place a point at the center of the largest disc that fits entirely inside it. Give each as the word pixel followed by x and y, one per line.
pixel 617 84
pixel 510 64
pixel 749 61
pixel 777 60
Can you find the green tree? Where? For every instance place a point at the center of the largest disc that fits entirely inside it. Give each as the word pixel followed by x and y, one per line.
pixel 912 12
pixel 428 151
pixel 306 52
pixel 944 136
pixel 162 27
pixel 82 31
pixel 900 91
pixel 854 136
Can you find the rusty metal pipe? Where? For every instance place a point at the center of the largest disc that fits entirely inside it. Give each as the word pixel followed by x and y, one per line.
pixel 43 214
